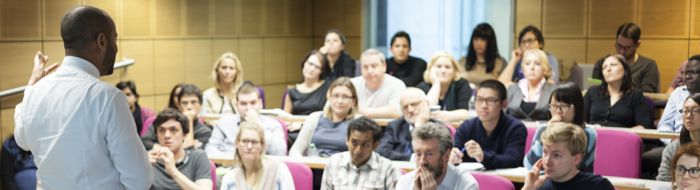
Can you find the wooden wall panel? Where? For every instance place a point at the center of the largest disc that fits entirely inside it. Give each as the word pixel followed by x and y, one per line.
pixel 606 15
pixel 168 19
pixel 198 61
pixel 252 59
pixel 527 12
pixel 224 17
pixel 299 17
pixel 597 48
pixel 148 102
pixel 20 19
pixel 17 63
pixel 296 49
pixel 568 50
pixel 169 64
pixel 220 46
pixel 693 48
pixel 55 51
pixel 161 101
pixel 271 64
pixel 252 15
pixel 137 18
pixel 53 13
pixel 673 23
pixel 564 18
pixel 695 19
pixel 669 54
pixel 7 124
pixel 352 14
pixel 197 17
pixel 273 95
pixel 109 6
pixel 143 70
pixel 274 17
pixel 332 11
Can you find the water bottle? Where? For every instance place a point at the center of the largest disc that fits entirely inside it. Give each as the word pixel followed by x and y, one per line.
pixel 472 103
pixel 312 151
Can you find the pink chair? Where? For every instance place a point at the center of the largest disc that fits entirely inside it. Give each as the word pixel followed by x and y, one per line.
pixel 213 174
pixel 453 130
pixel 285 130
pixel 488 181
pixel 617 153
pixel 530 134
pixel 301 173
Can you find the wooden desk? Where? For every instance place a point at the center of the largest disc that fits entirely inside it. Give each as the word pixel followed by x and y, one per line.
pixel 512 174
pixel 657 96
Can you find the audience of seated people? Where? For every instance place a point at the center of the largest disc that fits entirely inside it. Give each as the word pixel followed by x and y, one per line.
pixel 326 129
pixel 228 77
pixel 142 115
pixel 337 63
pixel 248 105
pixel 174 166
pixel 360 167
pixel 446 88
pixel 564 148
pixel 528 97
pixel 309 95
pixel 377 92
pixel 396 143
pixel 190 105
pixel 645 73
pixel 251 168
pixel 483 61
pixel 403 66
pixel 530 38
pixel 494 138
pixel 565 105
pixel 690 134
pixel 686 160
pixel 431 144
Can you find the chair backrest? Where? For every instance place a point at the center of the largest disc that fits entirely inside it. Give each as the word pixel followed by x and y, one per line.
pixel 488 181
pixel 261 95
pixel 285 130
pixel 213 174
pixel 453 130
pixel 301 173
pixel 617 153
pixel 530 134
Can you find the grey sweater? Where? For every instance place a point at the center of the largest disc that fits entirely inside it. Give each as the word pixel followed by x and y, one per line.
pixel 665 168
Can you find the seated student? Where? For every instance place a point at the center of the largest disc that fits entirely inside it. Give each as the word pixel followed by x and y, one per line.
pixel 566 105
pixel 530 38
pixel 251 168
pixel 483 61
pixel 493 138
pixel 396 143
pixel 687 159
pixel 174 167
pixel 615 102
pixel 325 129
pixel 338 62
pixel 528 98
pixel 360 167
pixel 432 143
pixel 17 167
pixel 446 88
pixel 403 66
pixel 644 71
pixel 142 115
pixel 310 95
pixel 690 134
pixel 173 102
pixel 228 77
pixel 248 105
pixel 189 99
pixel 564 149
pixel 378 93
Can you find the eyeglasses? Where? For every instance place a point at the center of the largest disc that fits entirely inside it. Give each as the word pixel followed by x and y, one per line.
pixel 341 97
pixel 695 112
pixel 528 41
pixel 693 172
pixel 489 101
pixel 249 142
pixel 620 46
pixel 561 107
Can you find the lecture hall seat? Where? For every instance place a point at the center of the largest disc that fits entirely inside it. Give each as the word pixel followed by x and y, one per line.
pixel 489 181
pixel 618 153
pixel 302 176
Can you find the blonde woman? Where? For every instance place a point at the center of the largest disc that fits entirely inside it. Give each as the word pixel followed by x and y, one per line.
pixel 328 129
pixel 252 170
pixel 528 98
pixel 446 88
pixel 228 76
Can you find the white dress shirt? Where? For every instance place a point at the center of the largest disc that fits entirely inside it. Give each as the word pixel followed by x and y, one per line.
pixel 81 132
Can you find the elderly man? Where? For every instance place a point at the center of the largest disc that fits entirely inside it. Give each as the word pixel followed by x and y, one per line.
pixel 377 92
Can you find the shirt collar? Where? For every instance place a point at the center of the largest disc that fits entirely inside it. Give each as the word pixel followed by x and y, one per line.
pixel 81 64
pixel 372 163
pixel 524 85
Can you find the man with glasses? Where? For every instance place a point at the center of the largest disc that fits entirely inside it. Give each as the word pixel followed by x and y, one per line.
pixel 360 167
pixel 494 138
pixel 377 92
pixel 645 73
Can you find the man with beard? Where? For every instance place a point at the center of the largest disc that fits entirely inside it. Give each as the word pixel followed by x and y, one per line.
pixel 360 167
pixel 564 146
pixel 645 73
pixel 431 144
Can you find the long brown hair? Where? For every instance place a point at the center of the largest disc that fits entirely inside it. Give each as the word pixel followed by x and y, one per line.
pixel 688 150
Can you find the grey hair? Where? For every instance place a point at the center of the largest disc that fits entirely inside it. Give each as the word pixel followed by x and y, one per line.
pixel 374 52
pixel 437 131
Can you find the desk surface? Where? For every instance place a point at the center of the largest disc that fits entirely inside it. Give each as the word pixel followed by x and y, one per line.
pixel 512 174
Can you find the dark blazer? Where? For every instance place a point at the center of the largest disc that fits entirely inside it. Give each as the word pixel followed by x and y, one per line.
pixel 504 148
pixel 541 111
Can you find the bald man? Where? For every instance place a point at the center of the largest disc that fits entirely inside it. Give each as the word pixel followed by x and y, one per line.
pixel 80 129
pixel 396 143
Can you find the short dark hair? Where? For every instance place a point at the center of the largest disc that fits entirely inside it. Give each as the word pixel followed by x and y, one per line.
pixel 534 30
pixel 626 86
pixel 190 90
pixel 323 59
pixel 483 31
pixel 364 124
pixel 685 134
pixel 340 34
pixel 246 88
pixel 494 85
pixel 629 30
pixel 128 84
pixel 570 93
pixel 168 114
pixel 694 58
pixel 401 34
pixel 81 25
pixel 174 93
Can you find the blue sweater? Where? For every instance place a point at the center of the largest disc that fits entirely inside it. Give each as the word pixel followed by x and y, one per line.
pixel 503 149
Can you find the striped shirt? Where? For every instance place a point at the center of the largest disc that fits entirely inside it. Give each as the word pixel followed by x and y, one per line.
pixel 377 173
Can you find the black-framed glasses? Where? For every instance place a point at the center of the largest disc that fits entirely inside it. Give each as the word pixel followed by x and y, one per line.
pixel 694 172
pixel 561 107
pixel 489 101
pixel 695 111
